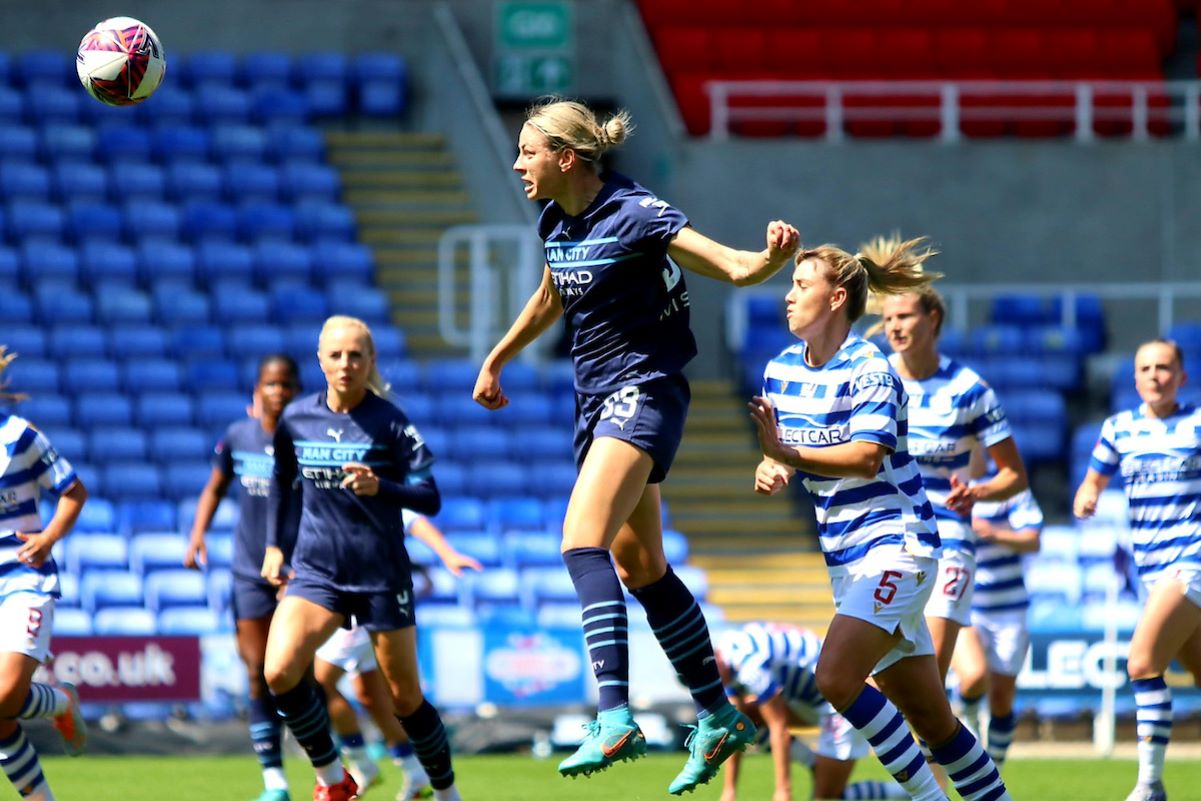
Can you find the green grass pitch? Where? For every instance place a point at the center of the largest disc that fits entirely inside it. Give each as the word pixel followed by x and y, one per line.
pixel 521 778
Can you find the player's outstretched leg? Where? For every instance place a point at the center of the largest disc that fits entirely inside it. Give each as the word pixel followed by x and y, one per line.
pixel 59 703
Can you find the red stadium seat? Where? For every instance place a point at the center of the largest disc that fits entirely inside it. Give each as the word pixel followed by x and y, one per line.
pixel 741 49
pixel 685 48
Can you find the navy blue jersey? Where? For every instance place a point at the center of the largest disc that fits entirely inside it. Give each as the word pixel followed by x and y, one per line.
pixel 244 455
pixel 354 543
pixel 625 303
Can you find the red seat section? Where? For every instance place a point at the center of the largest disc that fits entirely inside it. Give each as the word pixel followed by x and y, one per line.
pixel 940 40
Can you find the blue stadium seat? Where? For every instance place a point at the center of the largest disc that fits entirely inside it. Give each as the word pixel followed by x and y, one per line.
pixel 298 305
pixel 250 181
pixel 143 345
pixel 404 374
pixel 90 477
pixel 326 98
pixel 147 373
pixel 252 341
pixel 675 546
pixel 383 97
pixel 443 588
pixel 389 341
pixel 71 443
pixel 554 510
pixel 459 409
pixel 694 579
pixel 153 409
pixel 189 620
pixel 258 220
pixel 219 409
pixel 1035 406
pixel 224 520
pixel 223 103
pixel 548 584
pixel 96 552
pixel 205 220
pixel 103 409
pixel 240 305
pixel 57 303
pixel 317 219
pixel 176 305
pixel 33 375
pixel 330 65
pixel 177 443
pixel 193 180
pixel 174 587
pixel 343 262
pixel 53 104
pixel 558 615
pixel 219 550
pixel 527 409
pixel 178 143
pixel 172 106
pixel 420 553
pixel 1090 320
pixel 152 552
pixel 185 479
pixel 24 181
pixel 288 141
pixel 534 549
pixel 46 410
pixel 128 146
pixel 265 67
pixel 12 104
pixel 155 224
pixel 238 143
pixel 42 67
pixel 478 442
pixel 305 180
pixel 113 444
pixel 554 479
pixel 548 442
pixel 494 477
pixel 121 621
pixel 441 616
pixel 451 478
pixel 516 512
pixel 98 515
pixel 139 183
pixel 33 220
pixel 1052 614
pixel 125 480
pixel 275 104
pixel 99 589
pixel 61 141
pixel 460 514
pixel 29 342
pixel 78 181
pixel 69 622
pixel 210 66
pixel 17 142
pixel 118 305
pixel 219 584
pixel 196 342
pixel 450 376
pixel 137 516
pixel 506 614
pixel 1022 310
pixel 205 375
pixel 480 545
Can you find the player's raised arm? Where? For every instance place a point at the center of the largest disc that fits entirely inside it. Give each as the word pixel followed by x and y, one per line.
pixel 700 254
pixel 540 313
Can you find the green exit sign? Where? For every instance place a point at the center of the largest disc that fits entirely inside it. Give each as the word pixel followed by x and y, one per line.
pixel 534 25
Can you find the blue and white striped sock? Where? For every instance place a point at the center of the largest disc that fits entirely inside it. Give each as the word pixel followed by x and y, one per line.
pixel 606 622
pixel 43 701
pixel 873 791
pixel 21 766
pixel 1000 736
pixel 970 769
pixel 1154 726
pixel 878 720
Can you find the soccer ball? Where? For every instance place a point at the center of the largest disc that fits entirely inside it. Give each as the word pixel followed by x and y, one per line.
pixel 121 61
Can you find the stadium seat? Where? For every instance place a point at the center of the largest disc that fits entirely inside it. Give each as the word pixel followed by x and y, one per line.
pixel 480 545
pixel 240 305
pixel 468 443
pixel 120 621
pixel 47 410
pixel 259 221
pixel 153 409
pixel 28 341
pixel 59 304
pixel 675 546
pixel 36 220
pixel 70 443
pixel 543 584
pixel 451 478
pixel 208 220
pixel 533 549
pixel 185 479
pixel 189 620
pixel 142 374
pixel 124 480
pixel 87 552
pixel 151 552
pixel 178 443
pixel 219 409
pixel 299 305
pixel 32 375
pixel 112 443
pixel 516 512
pixel 99 589
pixel 494 586
pixel 180 143
pixel 145 515
pixel 460 514
pixel 18 142
pixel 78 181
pixel 220 582
pixel 224 520
pixel 562 615
pixel 103 409
pixel 275 260
pixel 343 262
pixel 28 182
pixel 219 550
pixel 319 219
pixel 287 141
pixel 444 588
pixel 495 477
pixel 98 514
pixel 553 479
pixel 171 587
pixel 528 409
pixel 694 579
pixel 70 622
pixel 138 344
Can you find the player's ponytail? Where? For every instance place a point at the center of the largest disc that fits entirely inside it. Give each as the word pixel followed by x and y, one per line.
pixel 884 266
pixel 568 124
pixel 375 381
pixel 6 358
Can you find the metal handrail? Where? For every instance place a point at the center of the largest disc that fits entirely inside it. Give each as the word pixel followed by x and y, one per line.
pixel 1084 106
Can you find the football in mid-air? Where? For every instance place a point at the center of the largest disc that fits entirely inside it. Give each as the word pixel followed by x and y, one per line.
pixel 121 61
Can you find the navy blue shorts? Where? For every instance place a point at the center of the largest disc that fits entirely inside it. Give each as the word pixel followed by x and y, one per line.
pixel 251 599
pixel 649 416
pixel 374 611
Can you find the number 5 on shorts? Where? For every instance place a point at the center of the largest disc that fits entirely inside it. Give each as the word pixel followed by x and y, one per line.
pixel 888 587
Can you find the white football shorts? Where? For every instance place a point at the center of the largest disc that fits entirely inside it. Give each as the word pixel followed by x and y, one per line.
pixel 1005 638
pixel 952 595
pixel 889 588
pixel 350 650
pixel 26 623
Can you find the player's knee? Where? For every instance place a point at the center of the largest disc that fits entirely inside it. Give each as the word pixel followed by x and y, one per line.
pixel 1139 666
pixel 836 686
pixel 281 677
pixel 11 701
pixel 407 700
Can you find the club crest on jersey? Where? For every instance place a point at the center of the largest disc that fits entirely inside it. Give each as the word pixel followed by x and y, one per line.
pixel 335 433
pixel 920 576
pixel 878 606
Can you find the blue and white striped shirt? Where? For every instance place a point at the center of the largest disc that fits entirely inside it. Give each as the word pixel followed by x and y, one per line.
pixel 999 568
pixel 28 465
pixel 855 396
pixel 767 659
pixel 949 413
pixel 1160 462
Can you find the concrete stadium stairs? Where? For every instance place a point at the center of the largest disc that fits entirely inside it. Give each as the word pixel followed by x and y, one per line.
pixel 759 553
pixel 405 191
